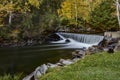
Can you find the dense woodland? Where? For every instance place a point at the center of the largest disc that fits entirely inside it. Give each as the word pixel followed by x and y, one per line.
pixel 35 19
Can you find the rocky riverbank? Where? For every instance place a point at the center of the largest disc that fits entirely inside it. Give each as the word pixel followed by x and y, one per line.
pixel 21 43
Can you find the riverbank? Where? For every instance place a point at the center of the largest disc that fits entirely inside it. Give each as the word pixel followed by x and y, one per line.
pixel 101 66
pixel 22 43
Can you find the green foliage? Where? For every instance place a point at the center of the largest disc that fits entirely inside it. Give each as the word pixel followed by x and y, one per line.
pixel 101 66
pixel 84 7
pixel 103 17
pixel 9 77
pixel 68 9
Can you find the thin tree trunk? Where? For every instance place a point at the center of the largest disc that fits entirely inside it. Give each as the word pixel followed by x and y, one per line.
pixel 117 8
pixel 76 13
pixel 10 15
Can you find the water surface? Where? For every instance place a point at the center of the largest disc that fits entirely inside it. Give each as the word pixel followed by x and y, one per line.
pixel 26 59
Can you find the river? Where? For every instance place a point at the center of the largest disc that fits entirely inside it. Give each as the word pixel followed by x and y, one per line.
pixel 26 59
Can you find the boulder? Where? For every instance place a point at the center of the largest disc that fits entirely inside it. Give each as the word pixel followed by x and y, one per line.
pixel 76 59
pixel 78 54
pixel 67 40
pixel 50 65
pixel 117 47
pixel 87 52
pixel 95 49
pixel 65 62
pixel 110 50
pixel 75 54
pixel 41 70
pixel 59 64
pixel 81 53
pixel 29 77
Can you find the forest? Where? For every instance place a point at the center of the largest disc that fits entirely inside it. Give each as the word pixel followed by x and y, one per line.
pixel 23 20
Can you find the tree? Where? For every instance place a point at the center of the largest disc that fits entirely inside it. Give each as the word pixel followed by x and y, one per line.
pixel 77 10
pixel 118 9
pixel 12 14
pixel 21 6
pixel 103 17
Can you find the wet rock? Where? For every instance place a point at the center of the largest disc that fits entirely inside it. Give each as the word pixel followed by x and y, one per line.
pixel 29 77
pixel 78 54
pixel 67 40
pixel 41 70
pixel 37 75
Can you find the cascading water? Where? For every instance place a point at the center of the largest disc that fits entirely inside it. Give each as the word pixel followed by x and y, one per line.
pixel 78 40
pixel 88 39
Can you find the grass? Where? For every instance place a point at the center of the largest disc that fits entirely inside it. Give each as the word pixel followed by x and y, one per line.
pixel 102 66
pixel 9 77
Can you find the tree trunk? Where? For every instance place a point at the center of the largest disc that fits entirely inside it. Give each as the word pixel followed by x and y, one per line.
pixel 117 8
pixel 76 13
pixel 10 15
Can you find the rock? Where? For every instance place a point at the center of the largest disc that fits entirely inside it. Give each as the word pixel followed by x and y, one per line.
pixel 65 62
pixel 92 49
pixel 78 54
pixel 52 65
pixel 105 49
pixel 95 49
pixel 75 55
pixel 37 75
pixel 41 70
pixel 28 77
pixel 87 52
pixel 29 42
pixel 59 64
pixel 81 54
pixel 67 40
pixel 117 47
pixel 110 49
pixel 76 59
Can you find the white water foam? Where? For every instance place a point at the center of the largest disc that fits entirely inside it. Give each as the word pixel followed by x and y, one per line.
pixel 83 41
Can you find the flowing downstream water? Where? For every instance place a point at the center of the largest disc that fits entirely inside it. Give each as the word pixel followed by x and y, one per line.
pixel 26 59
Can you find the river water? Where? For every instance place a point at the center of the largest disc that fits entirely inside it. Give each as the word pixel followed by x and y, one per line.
pixel 26 59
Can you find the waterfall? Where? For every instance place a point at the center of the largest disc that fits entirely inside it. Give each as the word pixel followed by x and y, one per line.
pixel 73 41
pixel 83 38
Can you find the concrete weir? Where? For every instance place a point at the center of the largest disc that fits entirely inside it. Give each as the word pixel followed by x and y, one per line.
pixel 112 34
pixel 78 40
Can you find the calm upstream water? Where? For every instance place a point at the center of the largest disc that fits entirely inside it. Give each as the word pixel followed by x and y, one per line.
pixel 26 59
